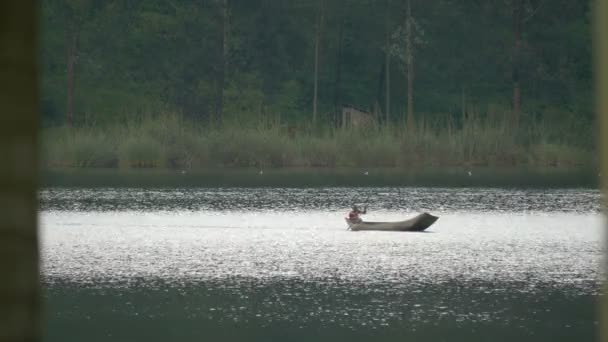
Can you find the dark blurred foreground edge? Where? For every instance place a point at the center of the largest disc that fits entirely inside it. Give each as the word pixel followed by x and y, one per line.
pixel 601 73
pixel 19 293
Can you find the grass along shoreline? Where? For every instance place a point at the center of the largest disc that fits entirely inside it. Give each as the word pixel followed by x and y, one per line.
pixel 170 143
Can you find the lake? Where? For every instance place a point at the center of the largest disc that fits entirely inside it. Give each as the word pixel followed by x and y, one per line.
pixel 275 263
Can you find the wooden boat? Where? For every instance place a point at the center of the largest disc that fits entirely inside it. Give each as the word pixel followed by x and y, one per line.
pixel 416 224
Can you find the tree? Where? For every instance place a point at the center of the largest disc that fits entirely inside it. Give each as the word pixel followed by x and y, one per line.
pixel 338 77
pixel 517 23
pixel 223 58
pixel 71 43
pixel 321 12
pixel 75 13
pixel 409 58
pixel 387 63
pixel 186 57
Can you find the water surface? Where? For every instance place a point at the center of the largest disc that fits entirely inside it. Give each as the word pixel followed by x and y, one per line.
pixel 273 263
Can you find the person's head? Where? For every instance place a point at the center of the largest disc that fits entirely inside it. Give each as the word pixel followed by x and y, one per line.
pixel 356 209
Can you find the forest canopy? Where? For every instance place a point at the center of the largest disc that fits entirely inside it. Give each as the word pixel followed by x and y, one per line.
pixel 220 63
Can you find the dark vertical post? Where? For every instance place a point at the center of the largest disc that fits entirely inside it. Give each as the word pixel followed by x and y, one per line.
pixel 19 294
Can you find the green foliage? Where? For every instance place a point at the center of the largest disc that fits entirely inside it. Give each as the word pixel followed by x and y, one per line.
pixel 147 97
pixel 285 105
pixel 79 148
pixel 244 100
pixel 167 141
pixel 368 149
pixel 554 155
pixel 168 56
pixel 238 147
pixel 317 152
pixel 141 152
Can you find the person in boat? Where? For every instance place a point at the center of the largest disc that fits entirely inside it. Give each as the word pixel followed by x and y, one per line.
pixel 353 216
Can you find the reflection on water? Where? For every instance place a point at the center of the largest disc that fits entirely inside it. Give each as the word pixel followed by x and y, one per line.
pixel 297 199
pixel 258 264
pixel 248 309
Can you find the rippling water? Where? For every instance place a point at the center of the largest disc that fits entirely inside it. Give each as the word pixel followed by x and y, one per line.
pixel 274 263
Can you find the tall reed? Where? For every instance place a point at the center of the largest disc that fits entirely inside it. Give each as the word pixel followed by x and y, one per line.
pixel 171 142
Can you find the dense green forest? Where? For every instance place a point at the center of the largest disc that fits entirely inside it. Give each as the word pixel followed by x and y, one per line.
pixel 263 82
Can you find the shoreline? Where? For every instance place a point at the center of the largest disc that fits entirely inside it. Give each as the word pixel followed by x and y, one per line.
pixel 321 177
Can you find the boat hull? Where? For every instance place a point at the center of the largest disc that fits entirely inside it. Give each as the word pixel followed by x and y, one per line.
pixel 415 224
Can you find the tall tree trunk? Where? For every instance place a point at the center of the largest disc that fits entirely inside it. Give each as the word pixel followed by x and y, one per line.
pixel 377 108
pixel 464 103
pixel 410 68
pixel 337 106
pixel 517 23
pixel 19 99
pixel 387 63
pixel 320 14
pixel 380 86
pixel 223 58
pixel 71 43
pixel 377 102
